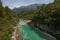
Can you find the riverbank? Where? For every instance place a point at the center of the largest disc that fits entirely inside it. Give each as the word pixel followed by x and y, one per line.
pixel 15 32
pixel 31 25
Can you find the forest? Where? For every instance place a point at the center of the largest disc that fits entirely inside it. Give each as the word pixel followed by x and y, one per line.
pixel 8 20
pixel 49 15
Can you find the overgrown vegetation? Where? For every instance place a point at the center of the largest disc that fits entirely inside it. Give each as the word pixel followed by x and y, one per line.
pixel 7 21
pixel 47 15
pixel 28 14
pixel 50 15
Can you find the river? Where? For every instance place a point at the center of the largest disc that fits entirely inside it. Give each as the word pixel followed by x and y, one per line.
pixel 27 33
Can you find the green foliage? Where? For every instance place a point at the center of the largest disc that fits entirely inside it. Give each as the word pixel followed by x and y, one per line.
pixel 7 21
pixel 50 15
pixel 28 14
pixel 47 15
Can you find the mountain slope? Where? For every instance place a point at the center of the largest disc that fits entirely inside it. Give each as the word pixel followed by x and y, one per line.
pixel 27 8
pixel 8 20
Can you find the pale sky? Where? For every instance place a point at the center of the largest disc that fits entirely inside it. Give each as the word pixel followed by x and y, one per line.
pixel 17 3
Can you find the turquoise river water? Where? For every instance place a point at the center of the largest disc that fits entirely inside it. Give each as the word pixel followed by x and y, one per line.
pixel 28 33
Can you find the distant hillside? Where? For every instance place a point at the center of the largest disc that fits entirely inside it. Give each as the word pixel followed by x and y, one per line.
pixel 27 8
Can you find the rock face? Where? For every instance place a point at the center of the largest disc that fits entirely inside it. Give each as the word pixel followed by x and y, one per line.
pixel 42 29
pixel 27 8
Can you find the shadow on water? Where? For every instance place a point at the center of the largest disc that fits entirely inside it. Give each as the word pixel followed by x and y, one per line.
pixel 30 33
pixel 39 33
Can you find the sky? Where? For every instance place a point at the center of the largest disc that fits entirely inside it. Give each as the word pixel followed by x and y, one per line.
pixel 17 3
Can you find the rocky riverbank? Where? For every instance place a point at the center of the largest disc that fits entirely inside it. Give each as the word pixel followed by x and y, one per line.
pixel 15 32
pixel 43 29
